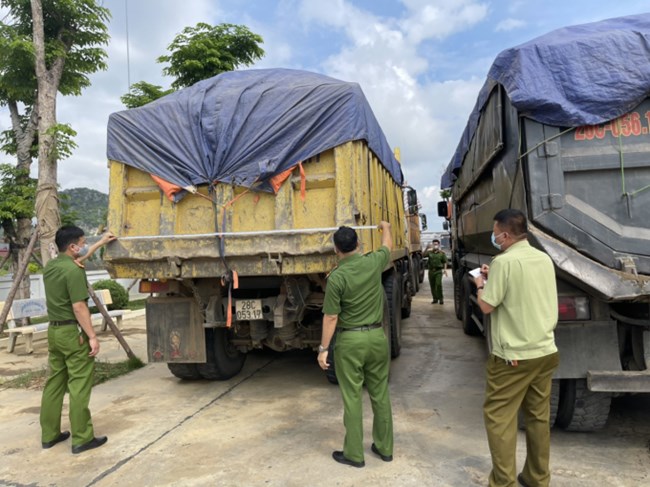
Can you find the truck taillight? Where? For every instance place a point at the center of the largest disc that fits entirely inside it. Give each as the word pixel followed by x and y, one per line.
pixel 571 308
pixel 149 287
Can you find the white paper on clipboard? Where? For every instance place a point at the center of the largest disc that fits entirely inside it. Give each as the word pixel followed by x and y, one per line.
pixel 475 272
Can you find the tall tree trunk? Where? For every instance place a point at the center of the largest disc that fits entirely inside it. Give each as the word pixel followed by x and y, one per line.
pixel 25 137
pixel 47 200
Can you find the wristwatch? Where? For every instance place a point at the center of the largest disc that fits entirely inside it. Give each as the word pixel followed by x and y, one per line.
pixel 322 349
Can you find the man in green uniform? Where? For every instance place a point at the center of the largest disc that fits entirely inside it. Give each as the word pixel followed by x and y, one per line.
pixel 437 265
pixel 521 298
pixel 354 307
pixel 72 343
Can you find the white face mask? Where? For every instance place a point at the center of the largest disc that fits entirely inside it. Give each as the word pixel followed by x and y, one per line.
pixel 82 250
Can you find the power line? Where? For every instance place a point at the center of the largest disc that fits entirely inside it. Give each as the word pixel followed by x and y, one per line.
pixel 128 56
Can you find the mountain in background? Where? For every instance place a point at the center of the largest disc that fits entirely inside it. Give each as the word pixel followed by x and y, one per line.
pixel 84 207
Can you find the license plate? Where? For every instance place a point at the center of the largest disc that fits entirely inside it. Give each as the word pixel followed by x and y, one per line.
pixel 248 309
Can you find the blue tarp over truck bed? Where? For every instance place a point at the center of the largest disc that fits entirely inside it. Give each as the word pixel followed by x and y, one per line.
pixel 243 127
pixel 579 75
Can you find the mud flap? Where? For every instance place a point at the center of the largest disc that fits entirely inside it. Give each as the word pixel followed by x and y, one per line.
pixel 175 331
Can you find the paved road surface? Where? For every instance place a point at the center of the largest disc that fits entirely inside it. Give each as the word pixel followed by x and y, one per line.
pixel 277 423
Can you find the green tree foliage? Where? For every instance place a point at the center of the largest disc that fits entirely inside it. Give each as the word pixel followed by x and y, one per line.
pixel 74 30
pixel 142 93
pixel 198 53
pixel 17 192
pixel 204 51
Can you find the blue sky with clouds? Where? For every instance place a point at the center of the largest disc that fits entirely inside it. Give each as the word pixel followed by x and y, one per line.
pixel 419 62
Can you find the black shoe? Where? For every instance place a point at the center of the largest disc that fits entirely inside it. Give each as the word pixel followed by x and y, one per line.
pixel 94 443
pixel 385 458
pixel 434 301
pixel 520 479
pixel 339 457
pixel 442 302
pixel 62 437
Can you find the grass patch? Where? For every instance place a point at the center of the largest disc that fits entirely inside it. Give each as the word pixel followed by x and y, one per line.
pixel 136 304
pixel 104 371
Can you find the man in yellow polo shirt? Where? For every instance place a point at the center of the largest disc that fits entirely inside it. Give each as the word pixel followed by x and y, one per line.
pixel 521 298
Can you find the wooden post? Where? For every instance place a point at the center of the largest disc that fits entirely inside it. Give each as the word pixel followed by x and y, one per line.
pixel 116 331
pixel 22 267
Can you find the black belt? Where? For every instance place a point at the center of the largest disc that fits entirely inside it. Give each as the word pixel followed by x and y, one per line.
pixel 64 322
pixel 374 326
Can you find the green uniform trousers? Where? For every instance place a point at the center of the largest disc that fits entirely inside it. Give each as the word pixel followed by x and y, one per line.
pixel 528 385
pixel 435 281
pixel 71 369
pixel 362 357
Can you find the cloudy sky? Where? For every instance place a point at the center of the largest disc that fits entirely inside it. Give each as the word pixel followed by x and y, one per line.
pixel 420 63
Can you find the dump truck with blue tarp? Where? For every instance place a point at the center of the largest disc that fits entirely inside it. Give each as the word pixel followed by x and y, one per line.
pixel 561 131
pixel 225 196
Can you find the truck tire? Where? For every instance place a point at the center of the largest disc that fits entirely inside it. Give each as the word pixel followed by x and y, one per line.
pixel 184 371
pixel 417 262
pixel 330 372
pixel 555 401
pixel 458 279
pixel 412 274
pixel 223 359
pixel 469 327
pixel 581 409
pixel 393 290
pixel 407 297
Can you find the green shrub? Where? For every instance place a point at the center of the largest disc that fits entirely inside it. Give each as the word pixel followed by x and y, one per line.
pixel 119 295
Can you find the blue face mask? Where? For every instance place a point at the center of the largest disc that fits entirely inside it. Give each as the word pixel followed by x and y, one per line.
pixel 494 240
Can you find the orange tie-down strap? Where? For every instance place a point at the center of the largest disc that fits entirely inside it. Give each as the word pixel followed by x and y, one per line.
pixel 170 189
pixel 233 283
pixel 277 180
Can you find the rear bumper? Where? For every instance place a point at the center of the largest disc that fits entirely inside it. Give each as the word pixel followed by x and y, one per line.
pixel 618 381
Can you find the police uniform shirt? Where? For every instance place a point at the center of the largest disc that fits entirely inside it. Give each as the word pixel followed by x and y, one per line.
pixel 65 284
pixel 354 291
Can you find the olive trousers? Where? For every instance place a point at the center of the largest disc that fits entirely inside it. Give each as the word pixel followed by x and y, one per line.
pixel 435 281
pixel 71 369
pixel 362 357
pixel 528 385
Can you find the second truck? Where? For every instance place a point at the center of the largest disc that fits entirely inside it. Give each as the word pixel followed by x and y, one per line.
pixel 574 156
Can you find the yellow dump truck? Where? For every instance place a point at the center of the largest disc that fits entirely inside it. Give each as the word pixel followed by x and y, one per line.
pixel 224 198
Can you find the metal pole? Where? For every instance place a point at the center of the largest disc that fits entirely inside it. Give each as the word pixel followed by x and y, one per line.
pixel 248 234
pixel 22 266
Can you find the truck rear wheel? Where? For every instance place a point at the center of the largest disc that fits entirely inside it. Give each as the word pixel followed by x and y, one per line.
pixel 581 409
pixel 458 278
pixel 469 326
pixel 393 289
pixel 184 371
pixel 223 359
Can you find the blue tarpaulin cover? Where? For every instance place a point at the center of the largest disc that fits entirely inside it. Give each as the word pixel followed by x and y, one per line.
pixel 579 75
pixel 244 127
